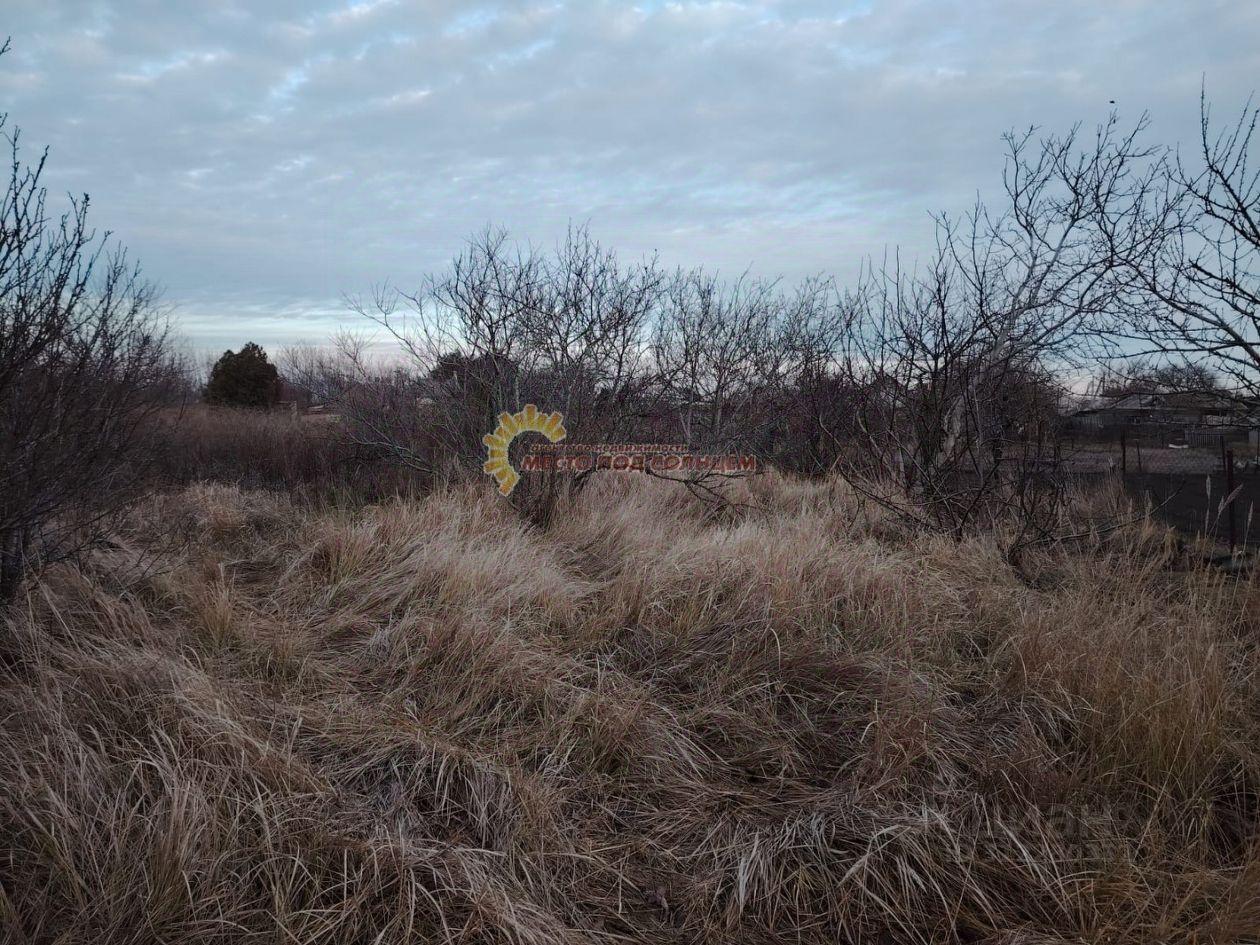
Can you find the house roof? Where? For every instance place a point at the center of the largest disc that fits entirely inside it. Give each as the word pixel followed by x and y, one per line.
pixel 1163 401
pixel 1134 402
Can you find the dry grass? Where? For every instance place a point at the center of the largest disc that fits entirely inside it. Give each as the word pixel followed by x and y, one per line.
pixel 425 721
pixel 308 454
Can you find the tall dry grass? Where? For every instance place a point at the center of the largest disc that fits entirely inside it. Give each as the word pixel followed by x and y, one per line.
pixel 312 455
pixel 426 721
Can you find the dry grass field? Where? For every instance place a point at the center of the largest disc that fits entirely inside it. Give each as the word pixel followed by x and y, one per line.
pixel 425 721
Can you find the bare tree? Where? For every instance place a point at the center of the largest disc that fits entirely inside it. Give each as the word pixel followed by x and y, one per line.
pixel 955 364
pixel 84 364
pixel 464 336
pixel 812 396
pixel 509 324
pixel 1192 248
pixel 1148 375
pixel 585 336
pixel 321 372
pixel 717 346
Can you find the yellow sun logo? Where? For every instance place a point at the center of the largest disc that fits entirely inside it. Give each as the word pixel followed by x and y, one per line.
pixel 528 419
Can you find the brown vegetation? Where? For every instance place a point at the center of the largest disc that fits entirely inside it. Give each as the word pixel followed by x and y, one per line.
pixel 305 453
pixel 428 721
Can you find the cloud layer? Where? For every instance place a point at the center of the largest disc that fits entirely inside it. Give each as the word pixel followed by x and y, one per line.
pixel 263 159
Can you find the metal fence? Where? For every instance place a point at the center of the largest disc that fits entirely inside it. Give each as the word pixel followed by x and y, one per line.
pixel 1204 482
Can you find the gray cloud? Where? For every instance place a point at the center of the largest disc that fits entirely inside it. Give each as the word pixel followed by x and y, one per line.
pixel 262 159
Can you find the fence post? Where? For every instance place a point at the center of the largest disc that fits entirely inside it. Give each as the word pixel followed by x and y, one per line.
pixel 1124 453
pixel 1229 498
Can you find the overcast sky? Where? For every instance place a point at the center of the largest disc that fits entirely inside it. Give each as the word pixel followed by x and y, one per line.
pixel 263 158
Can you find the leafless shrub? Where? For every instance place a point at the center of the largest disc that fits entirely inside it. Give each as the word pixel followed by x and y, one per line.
pixel 716 347
pixel 955 367
pixel 460 334
pixel 322 373
pixel 507 325
pixel 84 364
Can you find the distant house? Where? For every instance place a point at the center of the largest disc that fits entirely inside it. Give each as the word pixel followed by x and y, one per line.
pixel 1175 409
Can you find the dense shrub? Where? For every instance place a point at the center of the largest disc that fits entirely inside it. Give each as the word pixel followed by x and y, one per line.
pixel 243 378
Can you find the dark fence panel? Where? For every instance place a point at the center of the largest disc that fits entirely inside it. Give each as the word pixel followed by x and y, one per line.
pixel 1203 481
pixel 1202 504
